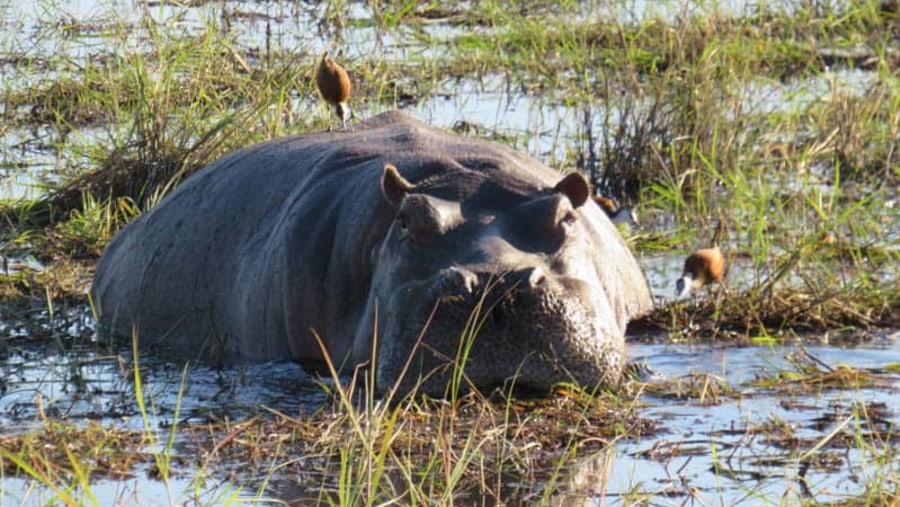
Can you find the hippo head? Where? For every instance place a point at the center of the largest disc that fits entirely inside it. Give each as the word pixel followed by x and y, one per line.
pixel 506 284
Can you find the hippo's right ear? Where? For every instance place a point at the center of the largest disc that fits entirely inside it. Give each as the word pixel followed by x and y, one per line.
pixel 575 187
pixel 394 186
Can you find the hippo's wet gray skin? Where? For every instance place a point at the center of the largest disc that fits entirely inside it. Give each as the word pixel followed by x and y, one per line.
pixel 251 256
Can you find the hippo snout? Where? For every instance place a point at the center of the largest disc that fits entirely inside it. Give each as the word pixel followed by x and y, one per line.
pixel 522 324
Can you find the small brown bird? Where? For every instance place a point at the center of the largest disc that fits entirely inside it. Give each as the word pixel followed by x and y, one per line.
pixel 703 267
pixel 334 86
pixel 617 215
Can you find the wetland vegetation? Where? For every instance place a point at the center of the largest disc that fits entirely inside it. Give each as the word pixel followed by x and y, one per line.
pixel 779 119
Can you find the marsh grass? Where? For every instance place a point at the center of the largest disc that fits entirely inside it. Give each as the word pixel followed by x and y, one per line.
pixel 64 460
pixel 156 113
pixel 840 429
pixel 672 122
pixel 434 451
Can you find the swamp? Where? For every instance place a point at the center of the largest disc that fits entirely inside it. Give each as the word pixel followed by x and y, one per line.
pixel 779 120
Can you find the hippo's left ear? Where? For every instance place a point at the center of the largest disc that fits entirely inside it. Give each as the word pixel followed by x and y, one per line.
pixel 394 186
pixel 575 187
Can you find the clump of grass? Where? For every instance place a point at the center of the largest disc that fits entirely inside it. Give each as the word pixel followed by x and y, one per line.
pixel 705 388
pixel 60 454
pixel 90 227
pixel 432 449
pixel 812 374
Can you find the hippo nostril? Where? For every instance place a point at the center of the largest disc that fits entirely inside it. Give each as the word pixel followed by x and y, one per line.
pixel 459 280
pixel 536 278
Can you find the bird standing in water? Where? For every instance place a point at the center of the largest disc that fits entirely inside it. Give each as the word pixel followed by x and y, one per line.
pixel 334 86
pixel 703 267
pixel 617 215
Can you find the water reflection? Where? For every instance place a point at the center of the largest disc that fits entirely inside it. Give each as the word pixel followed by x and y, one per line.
pixel 84 385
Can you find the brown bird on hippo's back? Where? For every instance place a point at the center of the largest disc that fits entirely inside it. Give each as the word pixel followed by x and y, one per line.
pixel 703 267
pixel 334 86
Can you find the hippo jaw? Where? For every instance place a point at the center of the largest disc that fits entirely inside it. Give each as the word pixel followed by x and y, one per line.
pixel 507 292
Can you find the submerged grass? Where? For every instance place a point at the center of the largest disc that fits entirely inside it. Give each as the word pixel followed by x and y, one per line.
pixel 783 123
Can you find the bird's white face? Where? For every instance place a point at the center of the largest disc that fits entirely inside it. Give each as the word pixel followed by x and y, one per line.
pixel 689 282
pixel 683 286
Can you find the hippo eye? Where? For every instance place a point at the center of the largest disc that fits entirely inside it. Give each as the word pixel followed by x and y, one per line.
pixel 402 226
pixel 567 221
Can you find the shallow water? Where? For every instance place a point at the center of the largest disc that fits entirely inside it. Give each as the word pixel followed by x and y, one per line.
pixel 754 467
pixel 670 465
pixel 85 385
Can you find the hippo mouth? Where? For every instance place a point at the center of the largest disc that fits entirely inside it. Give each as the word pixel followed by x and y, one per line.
pixel 531 335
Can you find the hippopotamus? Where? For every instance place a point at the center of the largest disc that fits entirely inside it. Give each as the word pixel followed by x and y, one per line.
pixel 432 258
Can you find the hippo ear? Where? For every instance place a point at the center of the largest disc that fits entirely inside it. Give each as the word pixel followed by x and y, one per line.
pixel 394 186
pixel 576 188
